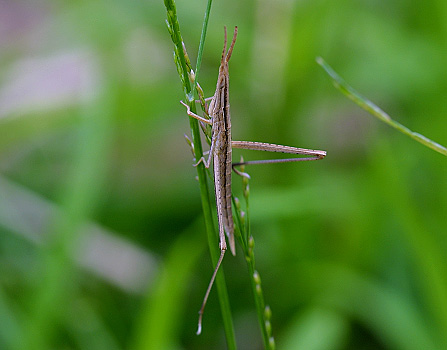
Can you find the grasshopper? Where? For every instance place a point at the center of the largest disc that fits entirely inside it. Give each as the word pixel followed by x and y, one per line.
pixel 220 151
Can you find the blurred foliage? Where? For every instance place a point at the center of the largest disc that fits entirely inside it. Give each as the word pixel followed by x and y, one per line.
pixel 102 237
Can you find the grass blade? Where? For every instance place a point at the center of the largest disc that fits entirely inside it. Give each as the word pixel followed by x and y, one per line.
pixel 159 325
pixel 207 203
pixel 247 242
pixel 370 107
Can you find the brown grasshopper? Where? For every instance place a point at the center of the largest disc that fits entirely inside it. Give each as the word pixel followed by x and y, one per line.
pixel 220 151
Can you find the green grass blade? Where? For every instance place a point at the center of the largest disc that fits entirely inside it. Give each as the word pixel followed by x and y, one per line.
pixel 160 320
pixel 263 311
pixel 207 202
pixel 10 330
pixel 427 254
pixel 317 329
pixel 56 287
pixel 370 107
pixel 395 318
pixel 202 39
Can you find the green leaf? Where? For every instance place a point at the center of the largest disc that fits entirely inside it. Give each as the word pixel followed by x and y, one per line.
pixel 370 107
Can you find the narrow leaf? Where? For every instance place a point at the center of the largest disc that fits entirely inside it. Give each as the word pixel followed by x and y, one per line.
pixel 370 107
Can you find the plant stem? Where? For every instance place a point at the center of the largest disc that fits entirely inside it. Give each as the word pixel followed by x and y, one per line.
pixel 207 203
pixel 202 39
pixel 247 242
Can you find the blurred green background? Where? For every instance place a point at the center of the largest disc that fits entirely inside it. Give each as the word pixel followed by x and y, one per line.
pixel 102 242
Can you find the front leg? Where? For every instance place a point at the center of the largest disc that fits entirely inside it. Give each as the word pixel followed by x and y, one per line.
pixel 209 122
pixel 196 116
